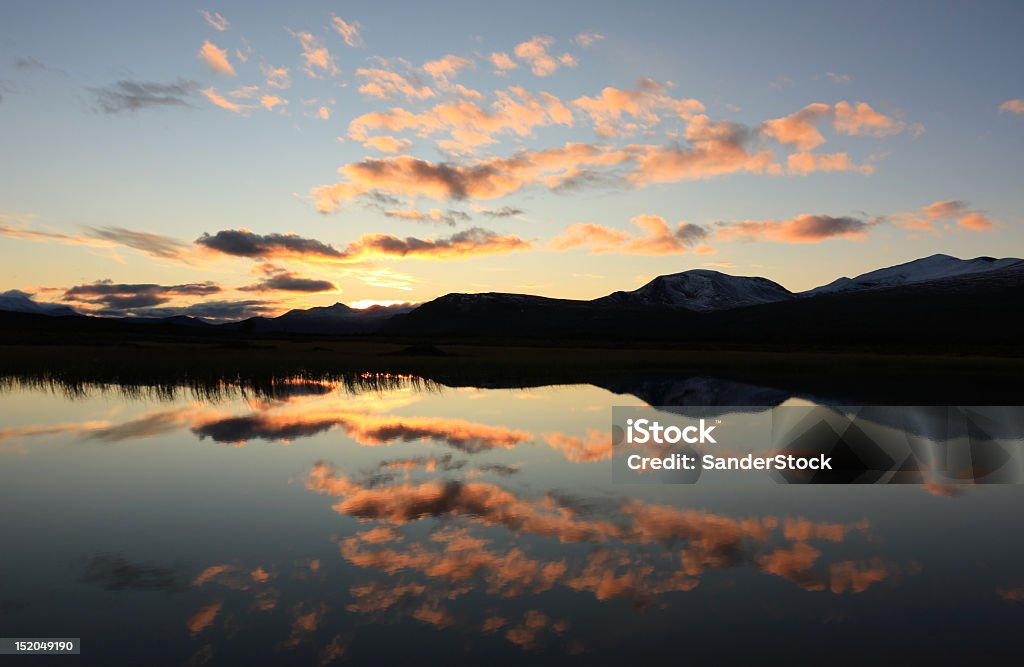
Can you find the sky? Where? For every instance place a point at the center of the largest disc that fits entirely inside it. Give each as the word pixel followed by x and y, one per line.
pixel 227 160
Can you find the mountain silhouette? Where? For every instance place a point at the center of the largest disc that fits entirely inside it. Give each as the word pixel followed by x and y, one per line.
pixel 934 300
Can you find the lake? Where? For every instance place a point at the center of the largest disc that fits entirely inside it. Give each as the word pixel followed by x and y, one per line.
pixel 386 518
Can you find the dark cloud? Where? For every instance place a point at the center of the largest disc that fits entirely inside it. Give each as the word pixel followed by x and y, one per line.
pixel 376 197
pixel 122 297
pixel 289 282
pixel 114 573
pixel 455 181
pixel 825 226
pixel 151 244
pixel 449 217
pixel 149 425
pixel 216 311
pixel 503 212
pixel 472 241
pixel 369 431
pixel 690 234
pixel 804 228
pixel 30 64
pixel 587 179
pixel 228 310
pixel 256 427
pixel 445 463
pixel 243 243
pixel 499 469
pixel 126 95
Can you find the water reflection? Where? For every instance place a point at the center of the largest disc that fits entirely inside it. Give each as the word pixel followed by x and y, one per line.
pixel 380 517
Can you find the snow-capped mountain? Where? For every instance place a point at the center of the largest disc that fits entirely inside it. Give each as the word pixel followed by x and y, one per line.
pixel 701 290
pixel 22 302
pixel 922 270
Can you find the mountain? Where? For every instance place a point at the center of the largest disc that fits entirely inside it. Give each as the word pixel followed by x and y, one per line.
pixel 338 319
pixel 922 306
pixel 701 290
pixel 939 301
pixel 172 321
pixel 936 267
pixel 21 302
pixel 495 313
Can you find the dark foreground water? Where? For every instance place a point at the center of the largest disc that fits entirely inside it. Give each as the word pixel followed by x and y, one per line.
pixel 397 521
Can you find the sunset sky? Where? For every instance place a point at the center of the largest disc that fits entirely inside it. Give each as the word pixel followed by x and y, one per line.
pixel 232 159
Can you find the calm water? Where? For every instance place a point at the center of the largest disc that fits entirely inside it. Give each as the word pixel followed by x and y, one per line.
pixel 323 523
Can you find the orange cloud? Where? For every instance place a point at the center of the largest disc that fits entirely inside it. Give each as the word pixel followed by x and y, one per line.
pixel 974 221
pixel 349 32
pixel 463 435
pixel 856 577
pixel 680 544
pixel 385 84
pixel 713 148
pixel 716 148
pixel 599 238
pixel 515 110
pixel 793 563
pixel 216 59
pixel 215 20
pixel 277 77
pixel 486 503
pixel 485 179
pixel 535 54
pixel 658 238
pixel 387 144
pixel 1013 106
pixel 861 119
pixel 803 228
pixel 211 573
pixel 642 104
pixel 596 446
pixel 952 209
pixel 801 128
pixel 316 56
pixel 802 530
pixel 271 101
pixel 806 163
pixel 447 67
pixel 223 102
pixel 502 63
pixel 944 209
pixel 588 39
pixel 527 634
pixel 1011 594
pixel 375 597
pixel 203 617
pixel 944 490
